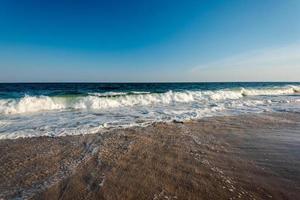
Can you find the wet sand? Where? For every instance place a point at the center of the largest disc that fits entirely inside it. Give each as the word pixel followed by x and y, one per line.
pixel 238 157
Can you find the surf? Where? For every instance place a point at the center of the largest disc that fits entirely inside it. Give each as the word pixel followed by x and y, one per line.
pixel 107 100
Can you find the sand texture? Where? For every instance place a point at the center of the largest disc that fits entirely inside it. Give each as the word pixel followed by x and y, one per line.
pixel 238 157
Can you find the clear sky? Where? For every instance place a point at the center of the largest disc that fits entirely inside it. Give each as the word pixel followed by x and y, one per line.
pixel 149 40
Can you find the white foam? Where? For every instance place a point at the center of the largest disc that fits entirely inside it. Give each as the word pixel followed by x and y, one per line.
pixel 33 116
pixel 270 91
pixel 225 94
pixel 138 92
pixel 115 94
pixel 107 94
pixel 91 114
pixel 31 104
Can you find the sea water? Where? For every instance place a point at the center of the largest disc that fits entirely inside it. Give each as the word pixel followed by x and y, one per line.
pixel 59 109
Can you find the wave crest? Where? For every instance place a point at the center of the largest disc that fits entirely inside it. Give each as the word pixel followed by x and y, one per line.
pixel 114 100
pixel 29 104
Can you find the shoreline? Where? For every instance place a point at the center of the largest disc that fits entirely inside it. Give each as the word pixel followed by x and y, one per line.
pixel 211 158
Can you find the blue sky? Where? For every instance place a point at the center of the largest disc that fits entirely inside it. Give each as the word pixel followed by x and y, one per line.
pixel 230 40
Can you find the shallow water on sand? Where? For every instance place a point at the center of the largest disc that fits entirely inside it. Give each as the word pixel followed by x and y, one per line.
pixel 273 144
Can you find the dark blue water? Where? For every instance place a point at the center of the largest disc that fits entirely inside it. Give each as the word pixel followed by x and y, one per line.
pixel 19 90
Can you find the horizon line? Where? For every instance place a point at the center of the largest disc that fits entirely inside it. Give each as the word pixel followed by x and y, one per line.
pixel 126 82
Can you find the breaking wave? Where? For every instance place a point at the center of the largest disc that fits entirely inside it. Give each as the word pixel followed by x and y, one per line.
pixel 31 104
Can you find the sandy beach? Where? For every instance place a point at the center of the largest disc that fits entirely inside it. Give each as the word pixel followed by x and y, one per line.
pixel 149 100
pixel 240 157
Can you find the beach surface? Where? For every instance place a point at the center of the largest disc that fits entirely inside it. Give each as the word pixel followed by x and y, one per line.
pixel 255 156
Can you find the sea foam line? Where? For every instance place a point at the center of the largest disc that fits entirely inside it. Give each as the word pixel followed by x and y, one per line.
pixel 31 104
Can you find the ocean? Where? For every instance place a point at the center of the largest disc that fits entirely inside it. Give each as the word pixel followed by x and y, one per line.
pixel 59 109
